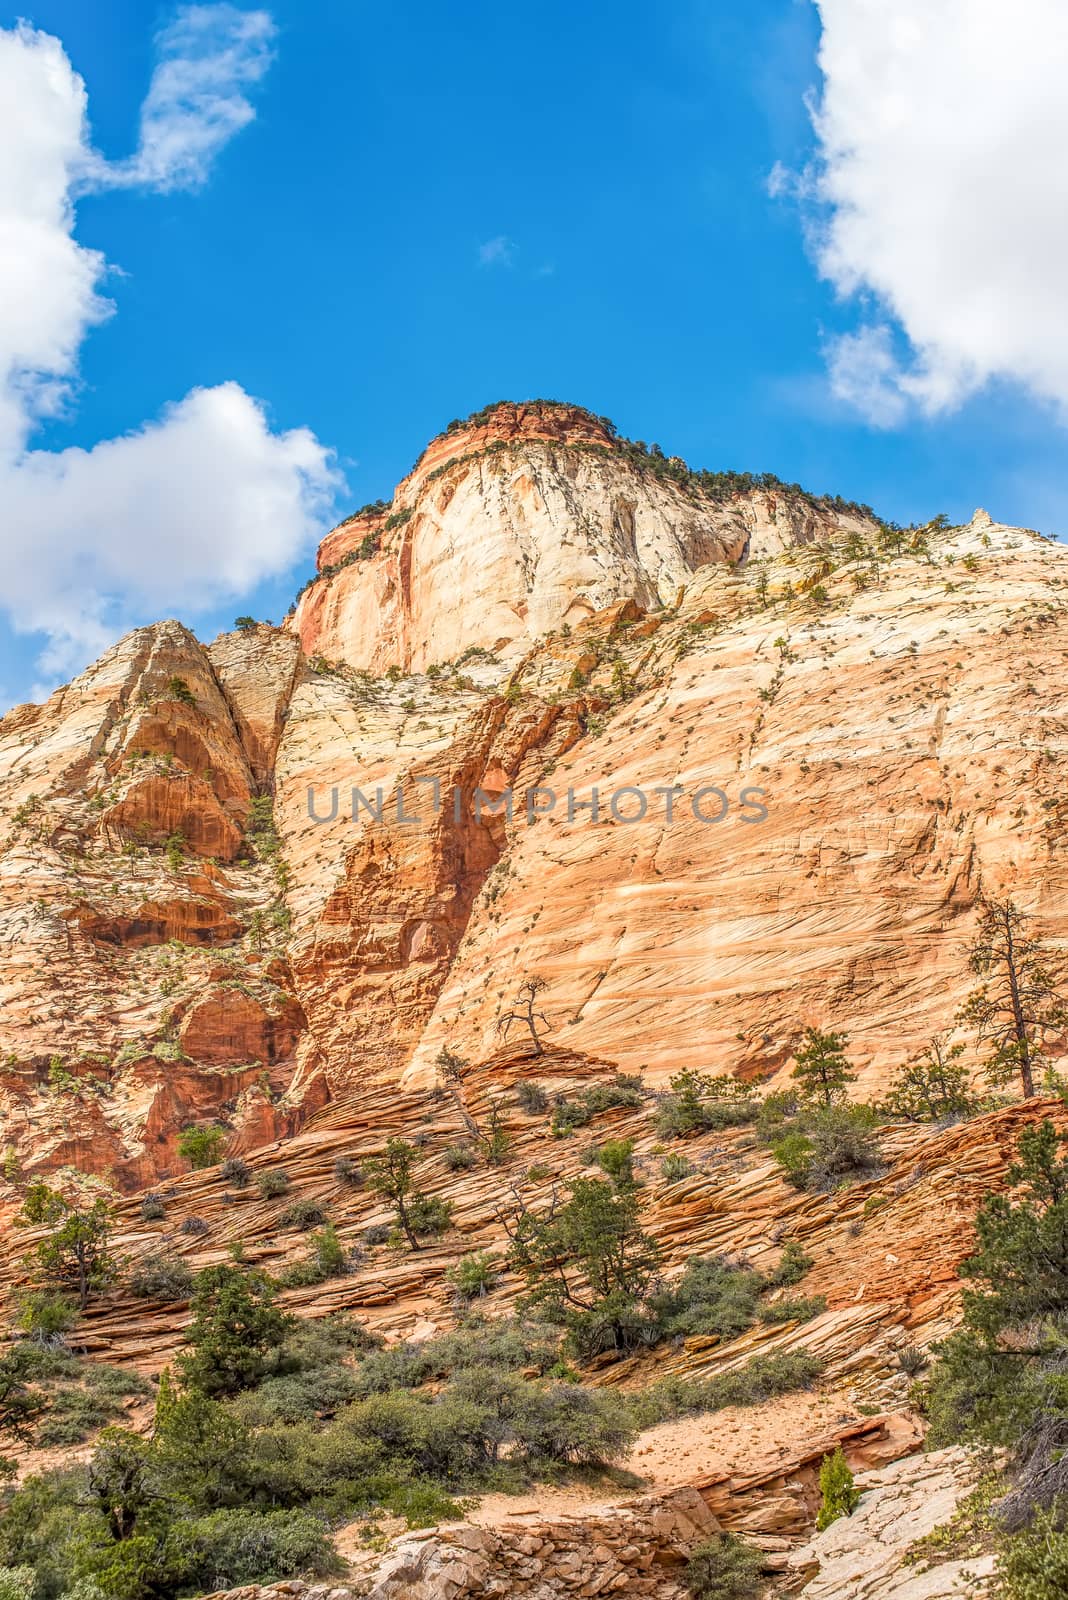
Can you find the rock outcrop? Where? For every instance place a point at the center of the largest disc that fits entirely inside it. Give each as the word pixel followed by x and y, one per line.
pixel 872 1554
pixel 511 526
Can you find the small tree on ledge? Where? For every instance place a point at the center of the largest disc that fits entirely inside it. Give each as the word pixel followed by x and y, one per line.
pixel 822 1069
pixel 525 1013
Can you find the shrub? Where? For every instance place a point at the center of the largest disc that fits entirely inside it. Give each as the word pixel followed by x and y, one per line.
pixel 830 1146
pixel 194 1226
pixel 178 689
pixel 235 1547
pixel 1033 1565
pixel 800 1309
pixel 430 1215
pixel 201 1147
pixel 348 1172
pixel 675 1167
pixel 715 1295
pixel 474 1276
pixel 616 1158
pixel 621 1090
pixel 378 1233
pixel 531 1097
pixel 272 1183
pixel 838 1497
pixel 725 1568
pixel 698 1102
pixel 152 1208
pixel 45 1317
pixel 18 1583
pixel 459 1157
pixel 161 1277
pixel 912 1360
pixel 302 1214
pixel 236 1172
pixel 793 1265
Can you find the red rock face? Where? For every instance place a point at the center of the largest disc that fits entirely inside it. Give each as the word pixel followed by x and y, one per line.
pixel 882 715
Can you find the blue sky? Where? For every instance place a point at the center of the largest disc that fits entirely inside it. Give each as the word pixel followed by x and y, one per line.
pixel 435 207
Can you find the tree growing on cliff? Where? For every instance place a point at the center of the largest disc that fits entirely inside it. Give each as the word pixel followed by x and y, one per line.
pixel 822 1070
pixel 588 1264
pixel 391 1175
pixel 493 1141
pixel 1017 1003
pixel 526 1014
pixel 75 1257
pixel 934 1087
pixel 1002 1378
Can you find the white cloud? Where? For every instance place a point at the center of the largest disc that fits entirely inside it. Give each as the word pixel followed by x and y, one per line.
pixel 942 128
pixel 865 374
pixel 497 252
pixel 208 56
pixel 180 512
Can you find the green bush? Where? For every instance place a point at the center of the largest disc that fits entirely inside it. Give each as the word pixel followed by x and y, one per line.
pixel 201 1147
pixel 675 1167
pixel 236 1172
pixel 459 1157
pixel 18 1583
pixel 801 1308
pixel 725 1568
pixel 474 1275
pixel 531 1097
pixel 829 1146
pixel 793 1265
pixel 45 1316
pixel 838 1497
pixel 348 1172
pixel 152 1208
pixel 698 1103
pixel 1033 1564
pixel 714 1295
pixel 161 1277
pixel 430 1215
pixel 621 1090
pixel 233 1547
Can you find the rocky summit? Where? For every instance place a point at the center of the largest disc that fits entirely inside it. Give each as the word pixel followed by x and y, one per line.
pixel 520 1044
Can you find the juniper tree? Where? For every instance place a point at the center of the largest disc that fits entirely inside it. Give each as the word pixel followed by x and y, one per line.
pixel 391 1176
pixel 587 1262
pixel 75 1256
pixel 235 1326
pixel 1017 1003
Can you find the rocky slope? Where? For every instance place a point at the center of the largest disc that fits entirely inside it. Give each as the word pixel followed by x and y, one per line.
pixel 712 758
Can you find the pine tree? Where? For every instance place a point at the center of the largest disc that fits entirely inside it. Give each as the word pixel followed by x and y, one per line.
pixel 933 1086
pixel 1017 1004
pixel 822 1069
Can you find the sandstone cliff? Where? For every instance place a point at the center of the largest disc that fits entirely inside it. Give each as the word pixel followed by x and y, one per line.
pixel 713 758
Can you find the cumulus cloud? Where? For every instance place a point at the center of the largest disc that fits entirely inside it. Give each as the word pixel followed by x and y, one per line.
pixel 182 511
pixel 944 196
